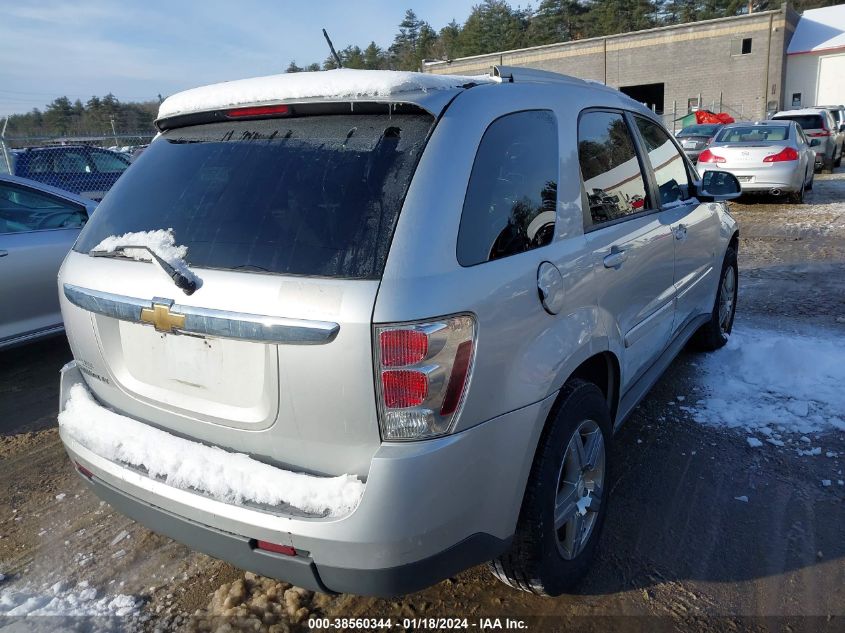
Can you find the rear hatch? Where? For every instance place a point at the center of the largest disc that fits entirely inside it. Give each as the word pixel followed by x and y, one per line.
pixel 287 222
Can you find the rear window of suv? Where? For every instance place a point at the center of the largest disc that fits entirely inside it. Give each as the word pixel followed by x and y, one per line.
pixel 806 121
pixel 315 196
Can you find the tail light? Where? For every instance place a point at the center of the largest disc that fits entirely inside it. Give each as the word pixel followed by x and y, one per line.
pixel 423 370
pixel 823 133
pixel 709 157
pixel 787 153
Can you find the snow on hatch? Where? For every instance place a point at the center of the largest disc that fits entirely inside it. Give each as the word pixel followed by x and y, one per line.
pixel 161 242
pixel 774 383
pixel 338 84
pixel 229 477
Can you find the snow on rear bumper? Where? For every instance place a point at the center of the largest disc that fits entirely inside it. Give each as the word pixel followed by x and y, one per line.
pixel 429 509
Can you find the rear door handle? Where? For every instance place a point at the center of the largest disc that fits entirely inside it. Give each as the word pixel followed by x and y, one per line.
pixel 616 257
pixel 680 232
pixel 3 253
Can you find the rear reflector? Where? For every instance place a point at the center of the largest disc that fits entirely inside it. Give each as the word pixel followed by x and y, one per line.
pixel 84 470
pixel 457 379
pixel 271 110
pixel 267 546
pixel 400 348
pixel 787 153
pixel 404 388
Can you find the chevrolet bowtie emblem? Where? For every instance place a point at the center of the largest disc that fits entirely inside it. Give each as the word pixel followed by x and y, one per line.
pixel 160 317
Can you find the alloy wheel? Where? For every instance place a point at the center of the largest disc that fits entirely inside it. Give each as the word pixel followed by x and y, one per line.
pixel 726 298
pixel 579 489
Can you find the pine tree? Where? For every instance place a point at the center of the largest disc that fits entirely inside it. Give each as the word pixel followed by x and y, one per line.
pixel 556 21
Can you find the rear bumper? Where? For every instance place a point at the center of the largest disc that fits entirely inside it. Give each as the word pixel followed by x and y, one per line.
pixel 786 177
pixel 430 509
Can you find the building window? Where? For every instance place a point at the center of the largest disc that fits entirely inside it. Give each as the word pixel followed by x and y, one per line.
pixel 796 99
pixel 741 46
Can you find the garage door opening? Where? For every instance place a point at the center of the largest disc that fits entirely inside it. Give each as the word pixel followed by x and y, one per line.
pixel 649 94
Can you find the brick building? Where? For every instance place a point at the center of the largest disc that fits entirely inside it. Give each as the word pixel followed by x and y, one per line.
pixel 735 64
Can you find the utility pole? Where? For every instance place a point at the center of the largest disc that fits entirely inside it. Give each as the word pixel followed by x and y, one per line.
pixel 114 133
pixel 5 148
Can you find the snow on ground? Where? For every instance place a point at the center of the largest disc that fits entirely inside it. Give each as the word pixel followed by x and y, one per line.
pixel 229 477
pixel 338 83
pixel 161 242
pixel 62 599
pixel 775 385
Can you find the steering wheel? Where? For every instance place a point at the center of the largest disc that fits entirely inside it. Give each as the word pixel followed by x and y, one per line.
pixel 49 221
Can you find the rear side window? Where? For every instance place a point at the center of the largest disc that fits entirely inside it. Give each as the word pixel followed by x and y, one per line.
pixel 315 195
pixel 71 162
pixel 613 180
pixel 666 162
pixel 108 162
pixel 511 199
pixel 807 121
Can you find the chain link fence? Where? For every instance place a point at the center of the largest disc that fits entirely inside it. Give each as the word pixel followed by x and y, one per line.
pixel 87 165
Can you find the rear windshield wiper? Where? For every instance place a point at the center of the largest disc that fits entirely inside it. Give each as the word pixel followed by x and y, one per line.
pixel 182 281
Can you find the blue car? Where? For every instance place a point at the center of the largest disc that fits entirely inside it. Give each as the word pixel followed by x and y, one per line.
pixel 87 171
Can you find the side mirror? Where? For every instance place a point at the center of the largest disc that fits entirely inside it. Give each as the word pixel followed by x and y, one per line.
pixel 842 128
pixel 815 142
pixel 718 185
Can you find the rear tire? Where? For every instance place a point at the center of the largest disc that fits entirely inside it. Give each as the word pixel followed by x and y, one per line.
pixel 566 497
pixel 714 334
pixel 797 197
pixel 809 186
pixel 838 161
pixel 827 165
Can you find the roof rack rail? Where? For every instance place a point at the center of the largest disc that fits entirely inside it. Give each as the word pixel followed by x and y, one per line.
pixel 509 74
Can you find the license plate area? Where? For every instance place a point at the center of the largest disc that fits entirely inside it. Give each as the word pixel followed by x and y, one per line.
pixel 224 381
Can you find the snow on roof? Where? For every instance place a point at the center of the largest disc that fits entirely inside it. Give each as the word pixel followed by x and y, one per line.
pixel 338 84
pixel 819 30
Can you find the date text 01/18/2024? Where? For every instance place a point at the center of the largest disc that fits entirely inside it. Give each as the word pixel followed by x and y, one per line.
pixel 365 624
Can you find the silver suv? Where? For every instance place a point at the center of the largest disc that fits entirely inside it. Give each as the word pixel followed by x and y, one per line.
pixel 819 123
pixel 360 330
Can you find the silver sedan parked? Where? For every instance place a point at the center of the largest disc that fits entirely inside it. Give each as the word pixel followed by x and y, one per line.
pixel 38 225
pixel 774 157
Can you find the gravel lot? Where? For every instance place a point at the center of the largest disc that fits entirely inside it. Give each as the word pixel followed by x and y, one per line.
pixel 678 545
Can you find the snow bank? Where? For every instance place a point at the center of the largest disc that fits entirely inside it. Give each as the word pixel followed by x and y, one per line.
pixel 229 477
pixel 61 600
pixel 765 381
pixel 340 83
pixel 161 242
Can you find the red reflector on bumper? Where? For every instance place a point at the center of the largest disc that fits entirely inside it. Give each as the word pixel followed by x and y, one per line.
pixel 84 470
pixel 267 546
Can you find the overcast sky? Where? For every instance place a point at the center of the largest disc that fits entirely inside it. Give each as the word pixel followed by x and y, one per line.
pixel 139 50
